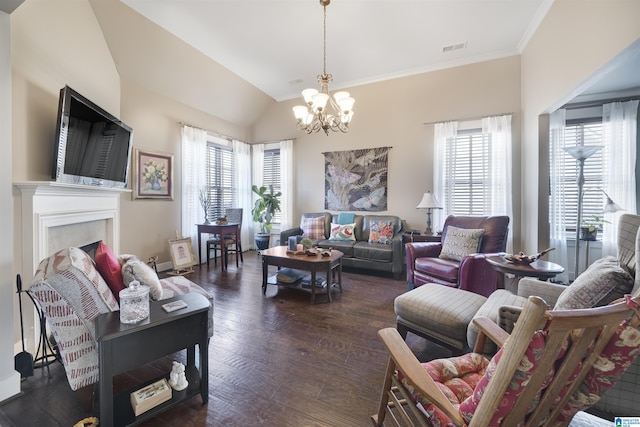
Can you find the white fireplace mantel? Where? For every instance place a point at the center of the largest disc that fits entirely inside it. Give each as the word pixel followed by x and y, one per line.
pixel 47 205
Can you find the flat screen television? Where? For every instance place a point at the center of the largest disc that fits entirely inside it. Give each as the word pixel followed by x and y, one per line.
pixel 92 147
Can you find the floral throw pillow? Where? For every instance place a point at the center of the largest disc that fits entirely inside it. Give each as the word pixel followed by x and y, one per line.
pixel 381 232
pixel 313 228
pixel 342 232
pixel 460 242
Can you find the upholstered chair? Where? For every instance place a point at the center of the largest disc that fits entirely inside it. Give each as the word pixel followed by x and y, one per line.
pixel 455 261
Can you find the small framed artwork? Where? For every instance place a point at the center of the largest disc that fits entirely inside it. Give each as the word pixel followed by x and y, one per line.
pixel 153 175
pixel 182 254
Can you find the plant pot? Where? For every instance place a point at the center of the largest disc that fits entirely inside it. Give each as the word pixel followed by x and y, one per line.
pixel 262 241
pixel 587 234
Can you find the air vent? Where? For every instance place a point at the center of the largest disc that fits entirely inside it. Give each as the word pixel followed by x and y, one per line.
pixel 453 47
pixel 295 82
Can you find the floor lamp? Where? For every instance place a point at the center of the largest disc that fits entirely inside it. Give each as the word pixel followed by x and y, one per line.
pixel 429 202
pixel 582 153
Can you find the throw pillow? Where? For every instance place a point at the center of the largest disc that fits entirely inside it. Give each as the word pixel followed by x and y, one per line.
pixel 135 269
pixel 313 228
pixel 460 242
pixel 603 282
pixel 342 232
pixel 109 268
pixel 381 232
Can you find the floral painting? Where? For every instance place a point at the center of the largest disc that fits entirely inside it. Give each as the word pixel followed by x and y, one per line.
pixel 356 180
pixel 153 178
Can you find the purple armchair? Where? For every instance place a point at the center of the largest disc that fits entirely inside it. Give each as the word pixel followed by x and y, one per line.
pixel 472 273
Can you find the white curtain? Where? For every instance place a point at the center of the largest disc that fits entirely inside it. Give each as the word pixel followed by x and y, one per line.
pixel 286 180
pixel 194 153
pixel 557 202
pixel 499 127
pixel 619 128
pixel 242 154
pixel 442 133
pixel 257 178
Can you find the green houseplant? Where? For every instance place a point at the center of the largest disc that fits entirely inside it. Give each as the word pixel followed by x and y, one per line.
pixel 590 226
pixel 265 207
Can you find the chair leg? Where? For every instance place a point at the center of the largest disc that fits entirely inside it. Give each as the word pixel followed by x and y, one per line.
pixel 402 330
pixel 239 246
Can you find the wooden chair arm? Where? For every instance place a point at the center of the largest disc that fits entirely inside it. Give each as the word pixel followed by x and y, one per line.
pixel 411 368
pixel 488 329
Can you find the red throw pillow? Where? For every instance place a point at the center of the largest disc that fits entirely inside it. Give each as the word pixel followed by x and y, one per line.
pixel 109 268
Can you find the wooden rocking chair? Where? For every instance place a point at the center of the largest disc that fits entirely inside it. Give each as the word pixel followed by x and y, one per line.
pixel 543 374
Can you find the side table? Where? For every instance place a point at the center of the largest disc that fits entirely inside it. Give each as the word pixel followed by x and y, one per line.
pixel 123 347
pixel 414 238
pixel 540 269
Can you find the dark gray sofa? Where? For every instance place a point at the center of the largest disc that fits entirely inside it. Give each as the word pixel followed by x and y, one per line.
pixel 360 253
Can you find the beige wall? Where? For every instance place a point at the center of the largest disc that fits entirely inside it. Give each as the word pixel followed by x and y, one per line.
pixel 148 224
pixel 575 40
pixel 394 114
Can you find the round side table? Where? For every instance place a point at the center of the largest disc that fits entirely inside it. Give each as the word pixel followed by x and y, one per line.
pixel 543 270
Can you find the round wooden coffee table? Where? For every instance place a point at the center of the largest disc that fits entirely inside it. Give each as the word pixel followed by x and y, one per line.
pixel 543 270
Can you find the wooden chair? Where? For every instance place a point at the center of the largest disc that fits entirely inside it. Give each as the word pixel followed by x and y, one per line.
pixel 510 389
pixel 229 243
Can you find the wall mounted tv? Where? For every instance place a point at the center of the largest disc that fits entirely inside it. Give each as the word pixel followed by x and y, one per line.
pixel 92 147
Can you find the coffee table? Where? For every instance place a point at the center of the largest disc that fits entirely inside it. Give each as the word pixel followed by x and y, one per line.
pixel 123 347
pixel 543 270
pixel 278 256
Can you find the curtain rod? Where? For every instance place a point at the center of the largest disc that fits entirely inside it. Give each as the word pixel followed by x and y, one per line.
pixel 597 103
pixel 468 119
pixel 216 134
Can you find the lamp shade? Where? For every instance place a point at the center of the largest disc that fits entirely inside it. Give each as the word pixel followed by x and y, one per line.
pixel 428 202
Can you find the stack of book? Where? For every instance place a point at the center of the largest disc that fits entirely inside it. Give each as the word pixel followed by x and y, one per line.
pixel 289 275
pixel 306 282
pixel 150 396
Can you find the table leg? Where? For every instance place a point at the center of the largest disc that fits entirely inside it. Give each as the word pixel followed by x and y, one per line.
pixel 329 282
pixel 200 248
pixel 340 275
pixel 105 384
pixel 265 271
pixel 204 366
pixel 313 286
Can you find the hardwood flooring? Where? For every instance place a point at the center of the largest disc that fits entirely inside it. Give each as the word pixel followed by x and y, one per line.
pixel 274 360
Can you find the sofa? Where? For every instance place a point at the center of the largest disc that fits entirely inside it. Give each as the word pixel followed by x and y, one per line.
pixel 72 292
pixel 369 242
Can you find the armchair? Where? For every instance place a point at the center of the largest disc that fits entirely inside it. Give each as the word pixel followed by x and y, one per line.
pixel 472 272
pixel 556 364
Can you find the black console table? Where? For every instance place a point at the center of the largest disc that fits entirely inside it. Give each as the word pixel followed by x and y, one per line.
pixel 123 347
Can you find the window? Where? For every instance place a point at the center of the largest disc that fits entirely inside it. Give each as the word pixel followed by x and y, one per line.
pixel 576 133
pixel 467 171
pixel 220 165
pixel 271 175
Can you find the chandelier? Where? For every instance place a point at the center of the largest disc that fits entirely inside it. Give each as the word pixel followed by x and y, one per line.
pixel 314 116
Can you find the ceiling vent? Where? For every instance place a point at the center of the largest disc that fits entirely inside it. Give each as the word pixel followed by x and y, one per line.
pixel 453 47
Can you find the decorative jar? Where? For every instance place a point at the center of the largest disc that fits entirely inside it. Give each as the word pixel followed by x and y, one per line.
pixel 134 303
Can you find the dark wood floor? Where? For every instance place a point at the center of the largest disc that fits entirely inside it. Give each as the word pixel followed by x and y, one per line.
pixel 274 360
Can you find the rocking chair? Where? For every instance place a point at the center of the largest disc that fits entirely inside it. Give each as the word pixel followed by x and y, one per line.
pixel 554 364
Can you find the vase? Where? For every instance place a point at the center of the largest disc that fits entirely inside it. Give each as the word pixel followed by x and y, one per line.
pixel 155 185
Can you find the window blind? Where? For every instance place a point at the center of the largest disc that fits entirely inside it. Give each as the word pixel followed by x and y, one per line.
pixel 271 175
pixel 221 184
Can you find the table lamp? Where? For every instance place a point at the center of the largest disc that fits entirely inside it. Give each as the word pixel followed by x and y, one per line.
pixel 429 202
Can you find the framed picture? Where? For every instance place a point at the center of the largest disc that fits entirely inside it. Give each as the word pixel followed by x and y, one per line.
pixel 153 175
pixel 182 254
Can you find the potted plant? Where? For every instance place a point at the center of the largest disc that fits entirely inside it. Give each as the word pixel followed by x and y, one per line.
pixel 590 226
pixel 263 211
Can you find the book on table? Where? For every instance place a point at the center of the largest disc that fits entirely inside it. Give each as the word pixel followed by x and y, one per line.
pixel 289 275
pixel 150 396
pixel 306 282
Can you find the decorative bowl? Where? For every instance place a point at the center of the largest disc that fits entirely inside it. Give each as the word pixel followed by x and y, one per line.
pixel 523 259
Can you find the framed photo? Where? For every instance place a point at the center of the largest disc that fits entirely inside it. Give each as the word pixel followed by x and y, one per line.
pixel 153 175
pixel 182 254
